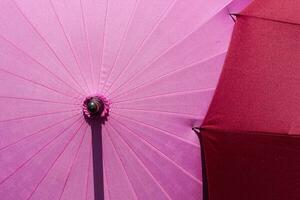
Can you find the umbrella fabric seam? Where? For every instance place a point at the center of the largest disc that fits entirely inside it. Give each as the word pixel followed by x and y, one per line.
pixel 268 19
pixel 264 133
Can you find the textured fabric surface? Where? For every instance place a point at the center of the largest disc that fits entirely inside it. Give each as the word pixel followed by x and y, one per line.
pixel 157 63
pixel 252 166
pixel 251 133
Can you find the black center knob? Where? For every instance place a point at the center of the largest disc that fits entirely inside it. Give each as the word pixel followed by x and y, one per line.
pixel 95 106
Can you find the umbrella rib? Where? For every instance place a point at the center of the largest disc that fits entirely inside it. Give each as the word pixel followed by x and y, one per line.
pixel 141 163
pixel 37 132
pixel 103 44
pixel 36 153
pixel 91 64
pixel 125 34
pixel 40 64
pixel 268 19
pixel 160 152
pixel 72 164
pixel 162 17
pixel 158 57
pixel 260 132
pixel 36 83
pixel 48 45
pixel 230 14
pixel 69 43
pixel 122 164
pixel 149 65
pixel 159 112
pixel 38 115
pixel 106 180
pixel 179 69
pixel 165 95
pixel 159 129
pixel 88 173
pixel 38 100
pixel 56 159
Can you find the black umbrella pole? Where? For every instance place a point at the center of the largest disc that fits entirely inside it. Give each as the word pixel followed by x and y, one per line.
pixel 97 160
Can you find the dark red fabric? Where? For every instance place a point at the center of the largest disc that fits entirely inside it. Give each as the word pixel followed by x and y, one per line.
pixel 281 10
pixel 251 134
pixel 252 166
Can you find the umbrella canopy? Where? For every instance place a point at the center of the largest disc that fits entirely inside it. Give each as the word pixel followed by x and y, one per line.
pixel 251 133
pixel 127 79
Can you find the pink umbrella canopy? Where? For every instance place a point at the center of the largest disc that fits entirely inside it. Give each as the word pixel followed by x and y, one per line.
pixel 125 80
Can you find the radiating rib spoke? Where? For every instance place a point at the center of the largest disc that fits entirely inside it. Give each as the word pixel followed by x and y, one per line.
pixel 72 164
pixel 56 159
pixel 156 58
pixel 159 112
pixel 106 182
pixel 103 40
pixel 159 130
pixel 39 100
pixel 163 95
pixel 88 44
pixel 122 43
pixel 143 42
pixel 88 172
pixel 158 78
pixel 38 115
pixel 39 151
pixel 37 84
pixel 38 132
pixel 122 164
pixel 69 43
pixel 179 105
pixel 158 151
pixel 141 163
pixel 47 43
pixel 41 65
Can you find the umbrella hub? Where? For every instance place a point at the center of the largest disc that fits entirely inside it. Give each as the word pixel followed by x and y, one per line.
pixel 96 106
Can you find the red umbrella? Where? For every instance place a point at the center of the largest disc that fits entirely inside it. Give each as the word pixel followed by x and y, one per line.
pixel 250 136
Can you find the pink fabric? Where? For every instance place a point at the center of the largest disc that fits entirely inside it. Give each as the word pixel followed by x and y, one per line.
pixel 157 61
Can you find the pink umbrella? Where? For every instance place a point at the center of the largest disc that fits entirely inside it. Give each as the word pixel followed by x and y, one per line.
pixel 125 78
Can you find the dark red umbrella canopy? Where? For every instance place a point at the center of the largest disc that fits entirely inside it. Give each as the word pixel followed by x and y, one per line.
pixel 250 137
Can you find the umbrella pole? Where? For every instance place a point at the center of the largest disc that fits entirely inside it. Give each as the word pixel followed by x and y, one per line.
pixel 97 160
